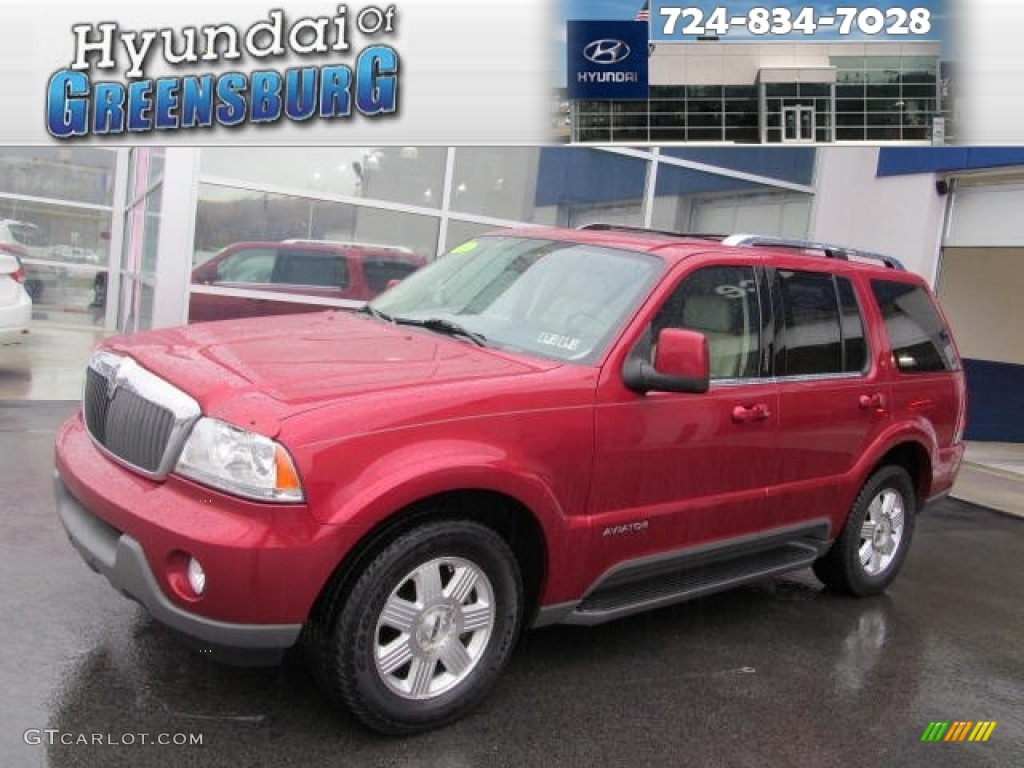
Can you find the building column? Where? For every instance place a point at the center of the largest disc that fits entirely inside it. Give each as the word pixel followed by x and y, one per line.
pixel 177 236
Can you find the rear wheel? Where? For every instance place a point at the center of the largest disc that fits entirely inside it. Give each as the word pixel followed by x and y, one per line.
pixel 874 542
pixel 426 629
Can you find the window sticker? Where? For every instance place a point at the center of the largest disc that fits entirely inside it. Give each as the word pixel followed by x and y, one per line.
pixel 568 343
pixel 466 247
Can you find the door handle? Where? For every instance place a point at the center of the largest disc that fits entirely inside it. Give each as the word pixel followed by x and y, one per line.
pixel 745 414
pixel 876 401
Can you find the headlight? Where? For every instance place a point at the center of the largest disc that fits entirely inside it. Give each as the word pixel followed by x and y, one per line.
pixel 240 462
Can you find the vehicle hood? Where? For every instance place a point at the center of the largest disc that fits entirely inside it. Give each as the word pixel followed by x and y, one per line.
pixel 257 372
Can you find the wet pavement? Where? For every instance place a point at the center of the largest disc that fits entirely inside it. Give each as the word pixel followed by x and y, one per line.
pixel 778 674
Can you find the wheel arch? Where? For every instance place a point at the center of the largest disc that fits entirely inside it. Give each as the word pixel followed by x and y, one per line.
pixel 913 457
pixel 508 516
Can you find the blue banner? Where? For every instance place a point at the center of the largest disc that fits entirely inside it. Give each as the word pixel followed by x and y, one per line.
pixel 607 59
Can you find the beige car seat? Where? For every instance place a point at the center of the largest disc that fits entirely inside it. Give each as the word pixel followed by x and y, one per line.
pixel 712 315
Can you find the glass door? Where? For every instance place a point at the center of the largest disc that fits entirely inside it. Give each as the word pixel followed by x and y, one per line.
pixel 798 124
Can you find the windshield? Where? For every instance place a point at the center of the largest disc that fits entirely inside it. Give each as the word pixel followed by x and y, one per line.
pixel 551 298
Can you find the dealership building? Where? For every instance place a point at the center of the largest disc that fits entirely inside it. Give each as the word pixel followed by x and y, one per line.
pixel 113 235
pixel 775 93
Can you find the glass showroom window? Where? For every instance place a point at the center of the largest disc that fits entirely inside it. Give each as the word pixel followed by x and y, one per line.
pixel 66 248
pixel 139 253
pixel 261 253
pixel 227 215
pixel 409 175
pixel 688 200
pixel 561 186
pixel 55 212
pixel 73 174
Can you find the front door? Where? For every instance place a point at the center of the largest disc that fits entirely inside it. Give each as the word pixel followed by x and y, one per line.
pixel 798 124
pixel 671 470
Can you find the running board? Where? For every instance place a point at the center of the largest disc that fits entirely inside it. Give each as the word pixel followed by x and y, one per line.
pixel 686 578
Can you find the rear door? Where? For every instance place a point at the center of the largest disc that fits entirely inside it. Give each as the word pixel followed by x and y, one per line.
pixel 833 397
pixel 928 383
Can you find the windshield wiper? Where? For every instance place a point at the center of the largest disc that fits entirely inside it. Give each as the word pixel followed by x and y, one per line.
pixel 366 309
pixel 448 327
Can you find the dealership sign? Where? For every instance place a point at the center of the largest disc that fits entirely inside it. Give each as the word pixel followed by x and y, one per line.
pixel 753 21
pixel 107 89
pixel 607 59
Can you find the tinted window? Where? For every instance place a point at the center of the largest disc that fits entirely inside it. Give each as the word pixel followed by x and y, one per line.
pixel 855 348
pixel 920 342
pixel 809 337
pixel 380 272
pixel 319 268
pixel 721 303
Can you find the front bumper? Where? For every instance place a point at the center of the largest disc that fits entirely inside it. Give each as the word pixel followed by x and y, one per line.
pixel 120 558
pixel 266 563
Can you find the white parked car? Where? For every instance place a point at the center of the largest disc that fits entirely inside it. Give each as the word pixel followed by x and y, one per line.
pixel 15 303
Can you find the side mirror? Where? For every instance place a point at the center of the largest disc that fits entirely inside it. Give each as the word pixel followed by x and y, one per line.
pixel 680 365
pixel 391 283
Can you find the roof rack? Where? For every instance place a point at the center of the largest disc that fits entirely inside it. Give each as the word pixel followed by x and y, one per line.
pixel 830 250
pixel 347 244
pixel 752 241
pixel 600 227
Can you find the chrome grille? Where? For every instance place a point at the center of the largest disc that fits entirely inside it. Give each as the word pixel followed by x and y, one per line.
pixel 95 404
pixel 137 418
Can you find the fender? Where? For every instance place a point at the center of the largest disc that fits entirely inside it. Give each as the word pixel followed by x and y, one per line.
pixel 919 432
pixel 395 480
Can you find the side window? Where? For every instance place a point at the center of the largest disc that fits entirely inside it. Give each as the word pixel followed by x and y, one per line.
pixel 808 337
pixel 920 342
pixel 254 265
pixel 314 268
pixel 855 348
pixel 722 303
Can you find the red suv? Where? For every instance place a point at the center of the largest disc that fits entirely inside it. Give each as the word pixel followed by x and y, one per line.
pixel 544 426
pixel 317 269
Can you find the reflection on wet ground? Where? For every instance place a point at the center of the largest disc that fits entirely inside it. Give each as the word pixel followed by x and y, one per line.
pixel 779 673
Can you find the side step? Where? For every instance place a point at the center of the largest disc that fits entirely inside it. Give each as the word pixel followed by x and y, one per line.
pixel 687 578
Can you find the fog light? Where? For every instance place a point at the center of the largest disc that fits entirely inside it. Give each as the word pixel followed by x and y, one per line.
pixel 196 576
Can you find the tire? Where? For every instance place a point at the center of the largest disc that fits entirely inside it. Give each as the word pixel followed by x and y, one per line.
pixel 874 542
pixel 426 630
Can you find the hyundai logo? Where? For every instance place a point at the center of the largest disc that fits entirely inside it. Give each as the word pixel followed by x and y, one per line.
pixel 606 51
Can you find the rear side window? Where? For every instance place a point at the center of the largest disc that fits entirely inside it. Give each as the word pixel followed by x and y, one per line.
pixel 820 329
pixel 920 342
pixel 313 268
pixel 380 272
pixel 855 348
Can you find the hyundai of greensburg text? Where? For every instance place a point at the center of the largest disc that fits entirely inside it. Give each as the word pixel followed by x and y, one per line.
pixel 544 426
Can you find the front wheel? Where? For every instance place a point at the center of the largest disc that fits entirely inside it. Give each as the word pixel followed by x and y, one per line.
pixel 427 628
pixel 874 542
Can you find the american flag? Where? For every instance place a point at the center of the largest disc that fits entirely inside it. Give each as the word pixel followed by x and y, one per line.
pixel 644 14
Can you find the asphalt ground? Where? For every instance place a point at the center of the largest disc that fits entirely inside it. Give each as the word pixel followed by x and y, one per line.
pixel 782 673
